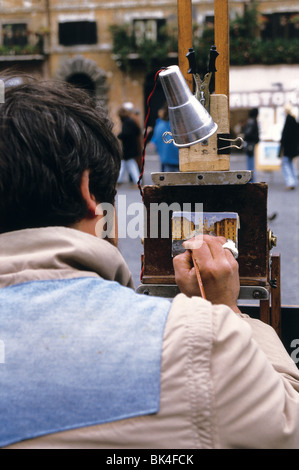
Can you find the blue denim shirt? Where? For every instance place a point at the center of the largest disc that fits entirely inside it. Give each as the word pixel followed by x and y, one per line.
pixel 78 352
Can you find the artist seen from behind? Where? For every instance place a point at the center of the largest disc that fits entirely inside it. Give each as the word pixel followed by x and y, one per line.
pixel 88 362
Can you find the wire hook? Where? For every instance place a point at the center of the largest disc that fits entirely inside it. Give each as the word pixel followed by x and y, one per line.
pixel 164 137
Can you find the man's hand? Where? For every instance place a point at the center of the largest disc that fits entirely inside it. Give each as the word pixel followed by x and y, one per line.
pixel 218 269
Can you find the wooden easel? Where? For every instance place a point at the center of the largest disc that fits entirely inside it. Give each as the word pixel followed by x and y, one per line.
pixel 205 177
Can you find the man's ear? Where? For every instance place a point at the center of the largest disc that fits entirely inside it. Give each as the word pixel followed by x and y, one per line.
pixel 87 196
pixel 92 223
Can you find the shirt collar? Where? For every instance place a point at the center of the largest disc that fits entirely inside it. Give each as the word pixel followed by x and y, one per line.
pixel 58 252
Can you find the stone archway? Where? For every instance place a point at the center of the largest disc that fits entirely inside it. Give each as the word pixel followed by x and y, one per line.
pixel 86 74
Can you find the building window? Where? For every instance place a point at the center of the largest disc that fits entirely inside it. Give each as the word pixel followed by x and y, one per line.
pixel 150 29
pixel 14 34
pixel 209 21
pixel 280 25
pixel 74 33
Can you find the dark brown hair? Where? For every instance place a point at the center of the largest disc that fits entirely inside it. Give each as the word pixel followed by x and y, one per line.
pixel 50 133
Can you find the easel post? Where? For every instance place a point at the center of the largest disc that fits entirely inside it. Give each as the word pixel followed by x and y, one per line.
pixel 276 294
pixel 222 42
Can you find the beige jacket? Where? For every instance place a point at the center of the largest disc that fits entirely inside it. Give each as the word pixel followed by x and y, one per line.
pixel 226 380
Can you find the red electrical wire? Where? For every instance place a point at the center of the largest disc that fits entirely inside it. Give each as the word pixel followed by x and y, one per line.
pixel 145 131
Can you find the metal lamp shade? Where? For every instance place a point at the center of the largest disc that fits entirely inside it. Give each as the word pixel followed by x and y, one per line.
pixel 190 122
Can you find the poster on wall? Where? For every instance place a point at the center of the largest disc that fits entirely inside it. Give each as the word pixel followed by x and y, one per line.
pixel 266 156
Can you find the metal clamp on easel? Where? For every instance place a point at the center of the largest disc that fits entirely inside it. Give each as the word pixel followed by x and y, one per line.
pixel 221 147
pixel 202 91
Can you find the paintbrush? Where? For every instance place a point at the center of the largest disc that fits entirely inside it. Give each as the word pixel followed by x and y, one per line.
pixel 199 280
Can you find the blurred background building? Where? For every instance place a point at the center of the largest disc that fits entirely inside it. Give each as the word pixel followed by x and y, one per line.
pixel 114 49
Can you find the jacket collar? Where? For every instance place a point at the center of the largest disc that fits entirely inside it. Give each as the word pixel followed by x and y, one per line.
pixel 58 252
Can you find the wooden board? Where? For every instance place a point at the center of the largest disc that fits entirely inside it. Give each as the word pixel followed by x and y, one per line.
pixel 204 157
pixel 248 200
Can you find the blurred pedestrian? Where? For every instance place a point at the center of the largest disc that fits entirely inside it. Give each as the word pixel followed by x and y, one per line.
pixel 289 147
pixel 251 138
pixel 168 153
pixel 130 138
pixel 134 113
